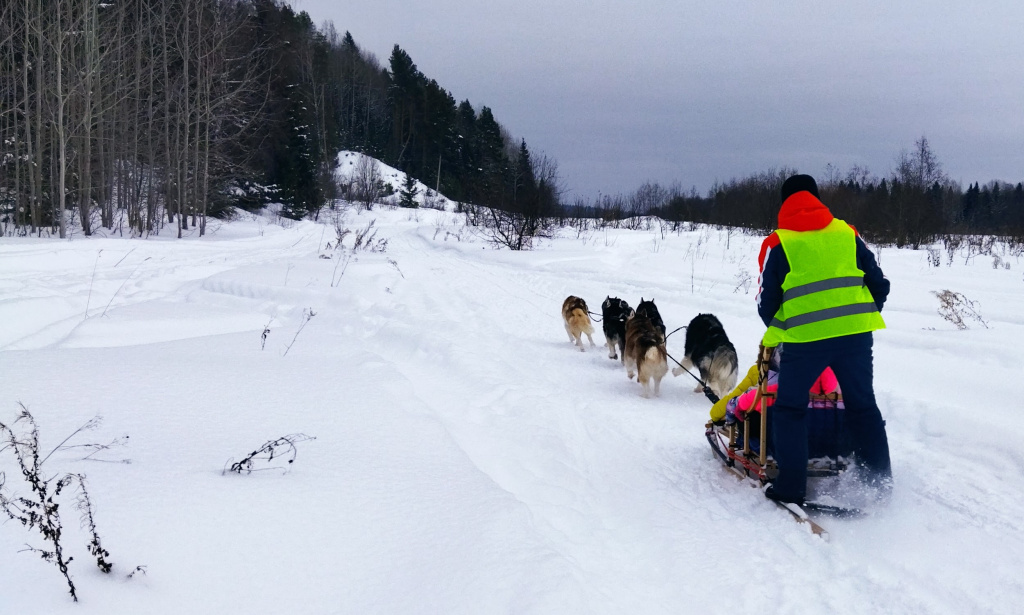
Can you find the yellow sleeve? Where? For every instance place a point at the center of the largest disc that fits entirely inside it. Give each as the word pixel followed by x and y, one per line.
pixel 718 410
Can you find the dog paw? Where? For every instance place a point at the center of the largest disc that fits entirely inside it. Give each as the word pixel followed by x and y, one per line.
pixel 676 371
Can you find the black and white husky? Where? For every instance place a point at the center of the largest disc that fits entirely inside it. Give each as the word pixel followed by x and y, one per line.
pixel 708 349
pixel 614 314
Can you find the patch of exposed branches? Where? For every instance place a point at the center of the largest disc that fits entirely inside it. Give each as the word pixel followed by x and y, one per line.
pixel 743 281
pixel 340 229
pixel 394 264
pixel 266 332
pixel 366 239
pixel 307 315
pixel 343 263
pixel 92 449
pixel 84 505
pixel 365 236
pixel 515 230
pixel 958 309
pixel 450 231
pixel 270 454
pixel 39 510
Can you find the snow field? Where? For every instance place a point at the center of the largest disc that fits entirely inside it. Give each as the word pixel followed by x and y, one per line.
pixel 468 459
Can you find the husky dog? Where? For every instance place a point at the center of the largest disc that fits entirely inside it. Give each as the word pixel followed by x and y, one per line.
pixel 577 322
pixel 614 314
pixel 645 353
pixel 649 310
pixel 708 348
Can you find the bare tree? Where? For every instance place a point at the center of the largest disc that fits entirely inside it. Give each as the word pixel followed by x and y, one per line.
pixel 531 214
pixel 647 199
pixel 919 168
pixel 368 185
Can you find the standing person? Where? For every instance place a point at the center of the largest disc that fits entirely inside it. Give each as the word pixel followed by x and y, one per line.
pixel 821 291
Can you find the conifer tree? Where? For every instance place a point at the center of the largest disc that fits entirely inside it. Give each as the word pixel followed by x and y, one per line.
pixel 407 196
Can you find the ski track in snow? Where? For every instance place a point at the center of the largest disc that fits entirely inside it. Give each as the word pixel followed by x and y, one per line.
pixel 468 457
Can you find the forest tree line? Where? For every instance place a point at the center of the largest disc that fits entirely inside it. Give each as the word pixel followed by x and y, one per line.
pixel 133 115
pixel 915 204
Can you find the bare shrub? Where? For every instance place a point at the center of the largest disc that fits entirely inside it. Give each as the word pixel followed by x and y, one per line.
pixel 958 309
pixel 515 230
pixel 433 200
pixel 368 185
pixel 40 509
pixel 441 224
pixel 281 448
pixel 341 230
pixel 365 237
pixel 951 243
pixel 307 315
pixel 743 281
pixel 343 263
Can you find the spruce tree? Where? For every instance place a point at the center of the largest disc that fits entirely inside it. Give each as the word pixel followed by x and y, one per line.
pixel 407 196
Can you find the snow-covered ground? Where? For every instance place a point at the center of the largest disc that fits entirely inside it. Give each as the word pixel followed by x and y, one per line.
pixel 467 458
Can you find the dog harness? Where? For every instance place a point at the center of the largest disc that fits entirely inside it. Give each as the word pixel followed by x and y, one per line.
pixel 824 295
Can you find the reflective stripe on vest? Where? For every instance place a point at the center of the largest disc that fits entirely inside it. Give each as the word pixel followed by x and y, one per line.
pixel 825 314
pixel 824 295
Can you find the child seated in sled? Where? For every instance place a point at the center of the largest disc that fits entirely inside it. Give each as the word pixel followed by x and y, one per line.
pixel 824 395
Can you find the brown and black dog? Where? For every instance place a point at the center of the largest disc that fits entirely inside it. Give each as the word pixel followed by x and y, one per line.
pixel 645 354
pixel 577 321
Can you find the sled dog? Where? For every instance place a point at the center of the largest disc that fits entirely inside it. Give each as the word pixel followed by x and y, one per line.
pixel 614 314
pixel 649 310
pixel 577 321
pixel 645 354
pixel 708 348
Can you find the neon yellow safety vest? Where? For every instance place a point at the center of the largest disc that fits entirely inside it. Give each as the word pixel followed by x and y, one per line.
pixel 823 295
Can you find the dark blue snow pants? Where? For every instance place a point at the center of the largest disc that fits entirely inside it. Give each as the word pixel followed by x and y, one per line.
pixel 851 359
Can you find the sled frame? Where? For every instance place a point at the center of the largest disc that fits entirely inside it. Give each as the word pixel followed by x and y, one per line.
pixel 758 465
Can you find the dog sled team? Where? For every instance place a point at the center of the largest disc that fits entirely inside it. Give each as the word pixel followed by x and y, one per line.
pixel 637 337
pixel 820 297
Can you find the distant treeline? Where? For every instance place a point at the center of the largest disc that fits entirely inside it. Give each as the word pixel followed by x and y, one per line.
pixel 916 204
pixel 140 113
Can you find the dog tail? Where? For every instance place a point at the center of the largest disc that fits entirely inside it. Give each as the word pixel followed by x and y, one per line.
pixel 724 370
pixel 656 361
pixel 582 321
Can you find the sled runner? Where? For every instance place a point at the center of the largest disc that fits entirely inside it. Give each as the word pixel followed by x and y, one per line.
pixel 744 447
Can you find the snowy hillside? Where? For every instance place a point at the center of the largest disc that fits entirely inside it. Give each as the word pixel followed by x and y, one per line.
pixel 467 458
pixel 348 169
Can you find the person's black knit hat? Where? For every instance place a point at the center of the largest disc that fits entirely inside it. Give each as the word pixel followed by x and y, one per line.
pixel 799 183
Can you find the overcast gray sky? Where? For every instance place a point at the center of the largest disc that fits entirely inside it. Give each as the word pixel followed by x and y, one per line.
pixel 693 92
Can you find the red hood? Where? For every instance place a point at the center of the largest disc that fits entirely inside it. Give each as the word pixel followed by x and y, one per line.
pixel 804 212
